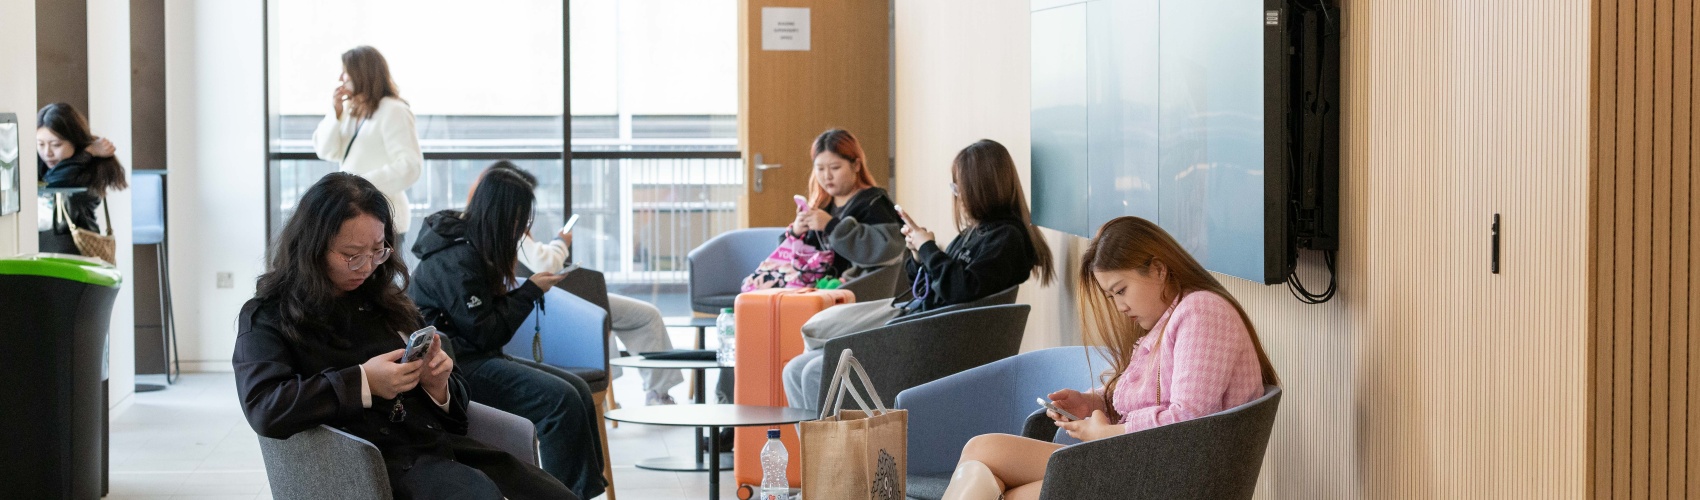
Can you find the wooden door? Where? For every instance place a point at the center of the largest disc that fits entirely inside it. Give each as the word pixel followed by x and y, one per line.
pixel 787 97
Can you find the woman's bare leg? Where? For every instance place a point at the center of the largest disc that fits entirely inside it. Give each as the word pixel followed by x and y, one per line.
pixel 1029 491
pixel 1014 459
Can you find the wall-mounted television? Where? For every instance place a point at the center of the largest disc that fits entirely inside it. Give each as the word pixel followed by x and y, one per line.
pixel 1217 119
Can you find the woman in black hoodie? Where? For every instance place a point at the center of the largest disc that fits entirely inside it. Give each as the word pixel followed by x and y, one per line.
pixel 997 248
pixel 465 285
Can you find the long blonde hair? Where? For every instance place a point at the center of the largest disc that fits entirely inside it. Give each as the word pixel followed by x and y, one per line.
pixel 1132 243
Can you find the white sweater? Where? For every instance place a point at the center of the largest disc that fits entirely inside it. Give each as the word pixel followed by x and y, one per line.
pixel 385 152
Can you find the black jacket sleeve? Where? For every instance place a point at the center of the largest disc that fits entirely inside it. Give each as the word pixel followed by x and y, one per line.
pixel 481 319
pixel 997 257
pixel 278 400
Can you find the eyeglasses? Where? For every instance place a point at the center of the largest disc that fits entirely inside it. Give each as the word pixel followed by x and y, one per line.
pixel 357 261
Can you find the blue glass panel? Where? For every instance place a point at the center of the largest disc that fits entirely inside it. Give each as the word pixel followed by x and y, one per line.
pixel 1211 119
pixel 1059 119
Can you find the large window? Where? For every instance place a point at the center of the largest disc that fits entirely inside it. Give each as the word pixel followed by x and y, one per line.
pixel 653 131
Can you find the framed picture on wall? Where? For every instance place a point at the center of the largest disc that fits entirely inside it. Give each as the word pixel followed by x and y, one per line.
pixel 10 188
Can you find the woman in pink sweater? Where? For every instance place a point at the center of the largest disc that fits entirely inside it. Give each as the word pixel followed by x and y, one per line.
pixel 1182 348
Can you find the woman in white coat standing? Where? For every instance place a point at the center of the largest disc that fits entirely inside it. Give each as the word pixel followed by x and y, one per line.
pixel 370 130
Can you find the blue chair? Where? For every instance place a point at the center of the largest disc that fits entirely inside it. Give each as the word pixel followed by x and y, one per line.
pixel 717 268
pixel 572 332
pixel 147 206
pixel 993 398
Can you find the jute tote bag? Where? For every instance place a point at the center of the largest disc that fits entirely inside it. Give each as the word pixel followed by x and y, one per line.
pixel 850 454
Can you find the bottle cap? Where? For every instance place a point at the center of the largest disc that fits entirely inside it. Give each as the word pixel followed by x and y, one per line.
pixel 773 433
pixel 725 310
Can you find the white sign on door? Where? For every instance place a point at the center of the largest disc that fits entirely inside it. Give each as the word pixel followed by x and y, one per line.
pixel 784 28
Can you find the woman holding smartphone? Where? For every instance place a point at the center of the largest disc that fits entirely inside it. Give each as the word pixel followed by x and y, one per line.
pixel 370 130
pixel 1181 348
pixel 322 342
pixel 636 323
pixel 465 286
pixel 998 248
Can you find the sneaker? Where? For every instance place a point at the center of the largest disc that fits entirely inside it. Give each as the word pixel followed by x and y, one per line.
pixel 652 398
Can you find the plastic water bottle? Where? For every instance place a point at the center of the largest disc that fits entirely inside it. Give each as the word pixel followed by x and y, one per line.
pixel 774 486
pixel 728 353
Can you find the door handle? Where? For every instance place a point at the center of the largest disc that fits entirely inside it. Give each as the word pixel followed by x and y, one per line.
pixel 760 168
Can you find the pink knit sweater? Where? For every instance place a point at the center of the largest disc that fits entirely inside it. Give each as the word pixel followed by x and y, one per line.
pixel 1207 360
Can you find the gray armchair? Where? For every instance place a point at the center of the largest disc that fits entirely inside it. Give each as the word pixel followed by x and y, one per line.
pixel 1218 456
pixel 325 462
pixel 912 353
pixel 717 268
pixel 1005 297
pixel 879 283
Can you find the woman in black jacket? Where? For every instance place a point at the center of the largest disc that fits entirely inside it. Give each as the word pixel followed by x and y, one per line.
pixel 320 344
pixel 70 156
pixel 997 248
pixel 465 285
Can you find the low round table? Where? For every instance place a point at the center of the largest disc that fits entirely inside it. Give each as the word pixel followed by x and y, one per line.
pixel 671 463
pixel 713 417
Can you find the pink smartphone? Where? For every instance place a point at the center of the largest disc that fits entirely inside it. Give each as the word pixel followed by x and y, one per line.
pixel 801 201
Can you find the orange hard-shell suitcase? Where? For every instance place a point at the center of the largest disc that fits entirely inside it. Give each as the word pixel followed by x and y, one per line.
pixel 769 332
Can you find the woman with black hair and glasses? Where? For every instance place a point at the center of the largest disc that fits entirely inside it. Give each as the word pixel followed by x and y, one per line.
pixel 465 285
pixel 321 341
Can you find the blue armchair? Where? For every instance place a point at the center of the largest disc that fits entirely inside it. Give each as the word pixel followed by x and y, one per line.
pixel 573 334
pixel 717 268
pixel 993 398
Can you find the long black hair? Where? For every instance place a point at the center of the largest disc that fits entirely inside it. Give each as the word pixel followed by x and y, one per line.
pixel 97 174
pixel 297 275
pixel 990 189
pixel 497 216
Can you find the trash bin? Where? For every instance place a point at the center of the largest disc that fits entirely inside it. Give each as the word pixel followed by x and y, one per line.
pixel 54 314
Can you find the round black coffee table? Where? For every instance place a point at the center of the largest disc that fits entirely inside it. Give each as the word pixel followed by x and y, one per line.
pixel 674 464
pixel 714 417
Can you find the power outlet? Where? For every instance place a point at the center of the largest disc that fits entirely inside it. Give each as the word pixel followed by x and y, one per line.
pixel 226 280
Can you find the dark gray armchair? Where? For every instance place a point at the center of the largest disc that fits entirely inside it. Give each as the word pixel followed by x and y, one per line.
pixel 325 462
pixel 717 268
pixel 1005 297
pixel 1218 456
pixel 912 353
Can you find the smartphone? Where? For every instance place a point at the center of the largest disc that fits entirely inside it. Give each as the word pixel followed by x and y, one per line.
pixel 1053 407
pixel 571 221
pixel 419 343
pixel 801 201
pixel 569 268
pixel 903 215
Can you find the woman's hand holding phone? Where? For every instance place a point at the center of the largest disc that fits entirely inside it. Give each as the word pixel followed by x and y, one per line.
pixel 1074 402
pixel 547 280
pixel 438 365
pixel 387 377
pixel 913 234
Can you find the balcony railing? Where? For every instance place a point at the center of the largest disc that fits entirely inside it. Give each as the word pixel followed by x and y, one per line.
pixel 640 212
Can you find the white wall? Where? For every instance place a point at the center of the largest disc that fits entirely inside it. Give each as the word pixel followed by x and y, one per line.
pixel 17 95
pixel 215 121
pixel 109 116
pixel 952 59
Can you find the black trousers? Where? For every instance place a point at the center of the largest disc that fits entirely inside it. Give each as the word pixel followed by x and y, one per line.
pixel 559 403
pixel 478 472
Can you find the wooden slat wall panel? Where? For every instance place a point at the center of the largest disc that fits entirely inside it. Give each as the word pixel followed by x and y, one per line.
pixel 1642 263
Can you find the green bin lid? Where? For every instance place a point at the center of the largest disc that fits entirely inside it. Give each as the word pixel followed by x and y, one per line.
pixel 70 267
